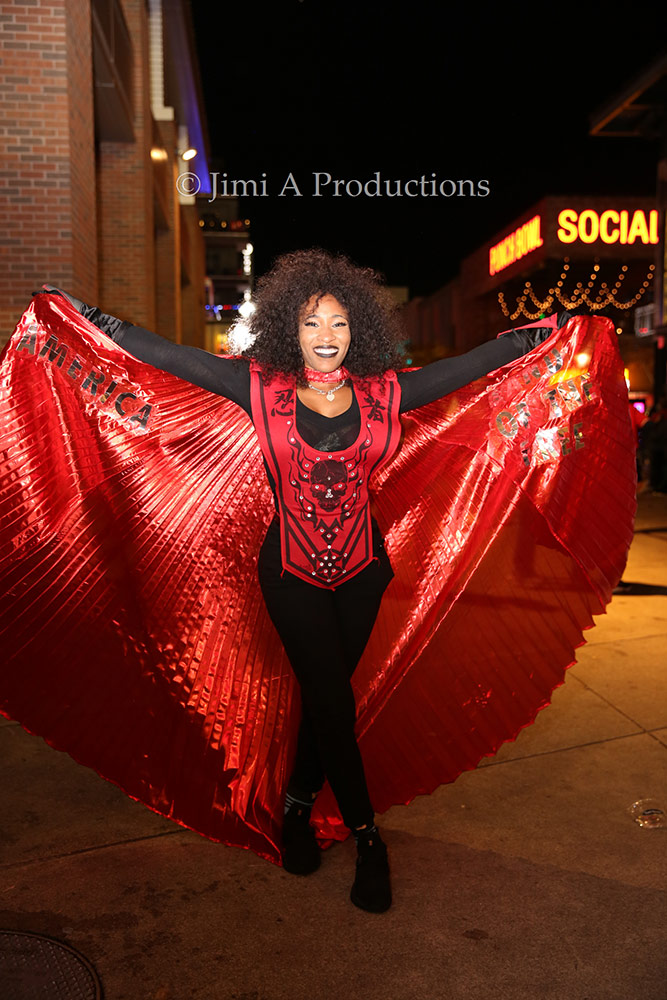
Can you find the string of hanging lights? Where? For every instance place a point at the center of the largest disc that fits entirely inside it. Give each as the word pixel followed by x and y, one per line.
pixel 581 295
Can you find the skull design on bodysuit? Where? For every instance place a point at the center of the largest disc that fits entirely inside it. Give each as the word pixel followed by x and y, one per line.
pixel 328 484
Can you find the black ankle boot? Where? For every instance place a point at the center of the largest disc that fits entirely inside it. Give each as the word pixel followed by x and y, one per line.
pixel 301 853
pixel 371 890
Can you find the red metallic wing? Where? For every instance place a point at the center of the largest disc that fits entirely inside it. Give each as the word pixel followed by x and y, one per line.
pixel 134 632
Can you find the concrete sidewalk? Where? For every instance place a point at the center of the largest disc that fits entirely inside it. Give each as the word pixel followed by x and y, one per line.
pixel 526 878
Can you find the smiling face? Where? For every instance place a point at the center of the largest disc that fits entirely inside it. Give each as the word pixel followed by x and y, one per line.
pixel 324 333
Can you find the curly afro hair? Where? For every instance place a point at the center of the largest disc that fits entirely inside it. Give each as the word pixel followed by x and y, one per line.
pixel 375 327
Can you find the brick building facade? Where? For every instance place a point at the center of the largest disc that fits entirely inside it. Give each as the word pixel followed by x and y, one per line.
pixel 92 117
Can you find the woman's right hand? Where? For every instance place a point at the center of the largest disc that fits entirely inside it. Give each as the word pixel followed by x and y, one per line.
pixel 77 303
pixel 110 325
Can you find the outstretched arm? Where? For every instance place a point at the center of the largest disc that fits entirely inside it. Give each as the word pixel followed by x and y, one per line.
pixel 222 376
pixel 442 377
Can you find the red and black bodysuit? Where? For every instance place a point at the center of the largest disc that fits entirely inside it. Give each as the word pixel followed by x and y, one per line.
pixel 322 496
pixel 322 566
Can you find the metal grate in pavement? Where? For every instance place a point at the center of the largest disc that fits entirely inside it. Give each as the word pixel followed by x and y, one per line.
pixel 34 967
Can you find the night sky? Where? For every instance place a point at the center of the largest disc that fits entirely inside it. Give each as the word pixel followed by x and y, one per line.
pixel 458 91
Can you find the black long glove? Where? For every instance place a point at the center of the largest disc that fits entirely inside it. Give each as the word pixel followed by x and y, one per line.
pixel 110 325
pixel 531 337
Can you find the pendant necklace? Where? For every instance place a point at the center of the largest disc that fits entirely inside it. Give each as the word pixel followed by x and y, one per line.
pixel 329 393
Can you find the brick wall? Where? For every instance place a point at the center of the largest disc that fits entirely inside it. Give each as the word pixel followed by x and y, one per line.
pixel 82 216
pixel 125 198
pixel 81 151
pixel 47 177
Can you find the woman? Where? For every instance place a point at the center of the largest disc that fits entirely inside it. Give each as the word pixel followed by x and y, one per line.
pixel 321 387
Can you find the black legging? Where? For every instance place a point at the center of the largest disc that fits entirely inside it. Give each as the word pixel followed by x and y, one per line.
pixel 324 633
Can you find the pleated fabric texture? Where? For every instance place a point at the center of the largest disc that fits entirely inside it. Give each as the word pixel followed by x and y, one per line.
pixel 134 635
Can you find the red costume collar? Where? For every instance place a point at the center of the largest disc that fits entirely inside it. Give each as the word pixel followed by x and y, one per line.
pixel 323 378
